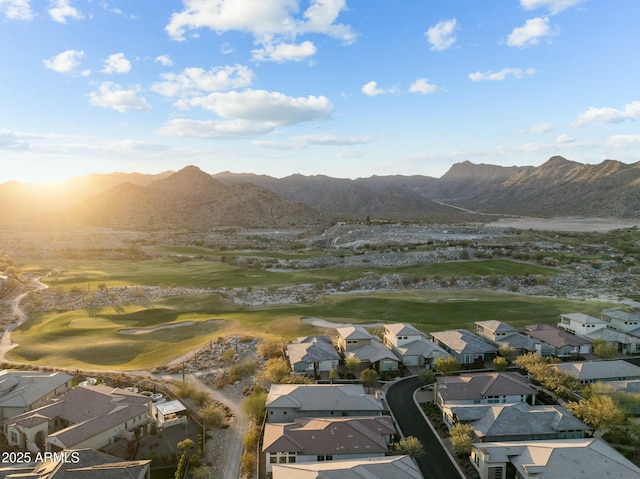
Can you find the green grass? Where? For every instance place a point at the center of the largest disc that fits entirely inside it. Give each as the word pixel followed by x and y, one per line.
pixel 92 338
pixel 200 273
pixel 76 339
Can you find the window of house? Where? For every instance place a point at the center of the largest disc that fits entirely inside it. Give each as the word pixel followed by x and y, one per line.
pixel 495 473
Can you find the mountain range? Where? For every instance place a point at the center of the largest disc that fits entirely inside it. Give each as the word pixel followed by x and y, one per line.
pixel 193 199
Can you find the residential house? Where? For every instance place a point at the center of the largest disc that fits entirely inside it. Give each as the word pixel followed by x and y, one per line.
pixel 412 346
pixel 400 334
pixel 627 323
pixel 79 464
pixel 595 371
pixel 593 329
pixel 622 342
pixel 421 353
pixel 396 467
pixel 376 356
pixel 22 391
pixel 287 402
pixel 522 344
pixel 483 388
pixel 85 417
pixel 503 335
pixel 516 422
pixel 465 346
pixel 327 439
pixel 494 330
pixel 358 342
pixel 563 343
pixel 580 324
pixel 571 458
pixel 312 355
pixel 622 321
pixel 352 337
pixel 169 413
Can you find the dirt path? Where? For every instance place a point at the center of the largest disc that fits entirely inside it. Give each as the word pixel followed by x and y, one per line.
pixel 6 343
pixel 233 447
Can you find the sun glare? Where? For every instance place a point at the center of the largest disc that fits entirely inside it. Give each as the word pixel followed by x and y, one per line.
pixel 46 175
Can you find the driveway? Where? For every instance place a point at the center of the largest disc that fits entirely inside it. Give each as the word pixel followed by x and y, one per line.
pixel 436 463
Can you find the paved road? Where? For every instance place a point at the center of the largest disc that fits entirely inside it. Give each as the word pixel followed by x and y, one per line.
pixel 435 464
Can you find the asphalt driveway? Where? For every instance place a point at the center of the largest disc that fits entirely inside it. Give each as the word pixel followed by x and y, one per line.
pixel 435 464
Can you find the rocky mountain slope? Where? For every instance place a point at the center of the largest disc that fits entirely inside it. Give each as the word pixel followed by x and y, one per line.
pixel 559 187
pixel 193 199
pixel 565 188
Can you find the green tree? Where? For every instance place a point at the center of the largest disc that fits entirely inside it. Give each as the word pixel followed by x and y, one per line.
pixel 461 439
pixel 599 411
pixel 446 365
pixel 186 444
pixel 426 376
pixel 276 371
pixel 500 364
pixel 352 363
pixel 369 377
pixel 254 405
pixel 332 375
pixel 603 349
pixel 411 446
pixel 508 353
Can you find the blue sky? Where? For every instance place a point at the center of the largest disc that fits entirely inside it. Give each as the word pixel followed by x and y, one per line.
pixel 345 88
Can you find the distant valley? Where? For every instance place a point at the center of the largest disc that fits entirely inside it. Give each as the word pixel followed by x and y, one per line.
pixel 197 200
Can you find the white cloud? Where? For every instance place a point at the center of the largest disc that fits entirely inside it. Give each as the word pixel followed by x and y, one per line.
pixel 321 16
pixel 501 75
pixel 351 153
pixel 111 95
pixel 116 63
pixel 266 107
pixel 164 60
pixel 64 62
pixel 284 52
pixel 60 10
pixel 193 81
pixel 16 9
pixel 564 138
pixel 605 115
pixel 371 89
pixel 530 33
pixel 442 35
pixel 10 140
pixel 233 129
pixel 264 19
pixel 276 145
pixel 135 146
pixel 623 141
pixel 422 85
pixel 332 140
pixel 539 128
pixel 111 9
pixel 554 6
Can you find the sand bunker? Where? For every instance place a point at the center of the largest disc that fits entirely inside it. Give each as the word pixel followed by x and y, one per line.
pixel 323 323
pixel 166 326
